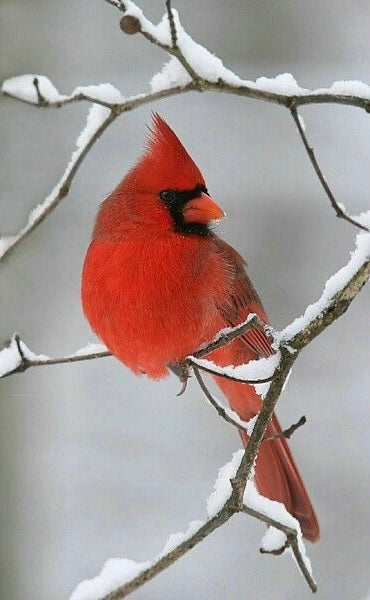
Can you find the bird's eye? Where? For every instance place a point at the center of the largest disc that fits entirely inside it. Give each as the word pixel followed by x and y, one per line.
pixel 167 195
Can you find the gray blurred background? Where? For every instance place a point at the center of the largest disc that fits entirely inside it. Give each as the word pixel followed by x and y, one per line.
pixel 97 463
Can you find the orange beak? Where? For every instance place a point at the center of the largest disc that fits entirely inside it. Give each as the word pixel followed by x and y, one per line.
pixel 202 210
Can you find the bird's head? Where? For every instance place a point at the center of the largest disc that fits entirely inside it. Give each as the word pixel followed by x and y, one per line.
pixel 164 190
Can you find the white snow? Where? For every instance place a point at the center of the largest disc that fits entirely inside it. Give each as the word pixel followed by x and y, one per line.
pixel 89 349
pixel 105 92
pixel 222 486
pixel 171 75
pixel 274 539
pixel 278 512
pixel 115 572
pixel 347 88
pixel 334 284
pixel 23 88
pixel 176 539
pixel 119 571
pixel 31 355
pixel 10 358
pixel 254 369
pixel 284 84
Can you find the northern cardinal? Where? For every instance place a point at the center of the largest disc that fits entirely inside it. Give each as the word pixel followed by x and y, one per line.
pixel 158 283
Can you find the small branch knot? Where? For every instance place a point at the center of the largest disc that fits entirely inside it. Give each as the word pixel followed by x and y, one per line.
pixel 130 25
pixel 40 98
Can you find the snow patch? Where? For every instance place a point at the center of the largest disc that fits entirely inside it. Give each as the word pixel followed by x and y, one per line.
pixel 254 369
pixel 23 88
pixel 104 92
pixel 10 358
pixel 222 486
pixel 89 349
pixel 171 75
pixel 115 572
pixel 278 512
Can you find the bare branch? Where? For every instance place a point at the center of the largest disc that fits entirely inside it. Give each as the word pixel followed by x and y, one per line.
pixel 40 97
pixel 7 244
pixel 60 191
pixel 171 21
pixel 286 433
pixel 336 304
pixel 229 335
pixel 171 557
pixel 292 541
pixel 311 154
pixel 238 423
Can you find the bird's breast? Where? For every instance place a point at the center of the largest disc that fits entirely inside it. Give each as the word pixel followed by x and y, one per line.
pixel 153 303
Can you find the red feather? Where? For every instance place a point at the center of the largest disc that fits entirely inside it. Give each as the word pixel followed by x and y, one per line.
pixel 155 294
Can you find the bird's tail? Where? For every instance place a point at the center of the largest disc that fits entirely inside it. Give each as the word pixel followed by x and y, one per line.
pixel 276 474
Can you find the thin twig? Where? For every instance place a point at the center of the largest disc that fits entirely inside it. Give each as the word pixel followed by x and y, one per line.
pixel 220 410
pixel 181 370
pixel 65 184
pixel 311 154
pixel 203 85
pixel 28 363
pixel 232 334
pixel 286 433
pixel 171 21
pixel 40 98
pixel 64 187
pixel 292 539
pixel 220 373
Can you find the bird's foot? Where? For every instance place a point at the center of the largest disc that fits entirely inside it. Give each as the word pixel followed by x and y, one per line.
pixel 182 371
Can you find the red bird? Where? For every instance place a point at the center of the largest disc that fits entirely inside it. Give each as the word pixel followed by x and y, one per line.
pixel 157 283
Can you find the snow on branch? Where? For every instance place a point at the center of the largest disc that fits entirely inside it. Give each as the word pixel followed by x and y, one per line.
pixel 16 357
pixel 191 68
pixel 237 494
pixel 121 577
pixel 98 119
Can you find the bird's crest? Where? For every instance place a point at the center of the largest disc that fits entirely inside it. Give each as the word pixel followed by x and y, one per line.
pixel 166 163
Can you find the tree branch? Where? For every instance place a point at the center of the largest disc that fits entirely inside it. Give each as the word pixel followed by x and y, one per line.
pixel 222 505
pixel 288 432
pixel 8 243
pixel 291 541
pixel 311 154
pixel 222 412
pixel 234 86
pixel 19 357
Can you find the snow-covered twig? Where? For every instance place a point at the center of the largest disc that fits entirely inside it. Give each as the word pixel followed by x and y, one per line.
pixel 226 336
pixel 16 357
pixel 223 411
pixel 98 119
pixel 100 116
pixel 193 68
pixel 311 154
pixel 233 418
pixel 120 577
pixel 24 358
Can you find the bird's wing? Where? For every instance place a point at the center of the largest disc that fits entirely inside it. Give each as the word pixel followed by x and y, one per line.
pixel 242 301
